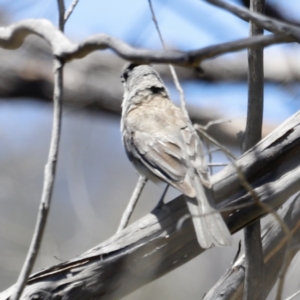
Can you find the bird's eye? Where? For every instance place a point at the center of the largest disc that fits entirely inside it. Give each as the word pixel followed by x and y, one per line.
pixel 156 89
pixel 124 76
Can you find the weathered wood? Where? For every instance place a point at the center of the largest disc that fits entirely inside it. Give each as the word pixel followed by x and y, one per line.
pixel 230 285
pixel 254 274
pixel 275 150
pixel 157 243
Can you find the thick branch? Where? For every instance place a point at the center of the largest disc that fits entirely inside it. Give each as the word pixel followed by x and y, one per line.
pixel 12 37
pixel 268 23
pixel 274 11
pixel 154 245
pixel 230 285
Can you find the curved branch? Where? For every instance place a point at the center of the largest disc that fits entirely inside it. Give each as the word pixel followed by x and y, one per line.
pixel 230 285
pixel 154 245
pixel 268 23
pixel 12 37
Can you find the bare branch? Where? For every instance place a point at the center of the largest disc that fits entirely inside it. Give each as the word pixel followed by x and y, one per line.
pixel 70 10
pixel 173 72
pixel 230 285
pixel 12 37
pixel 64 51
pixel 288 256
pixel 218 164
pixel 212 140
pixel 274 11
pixel 50 171
pixel 293 296
pixel 245 183
pixel 132 202
pixel 268 23
pixel 254 273
pixel 156 25
pixel 215 122
pixel 251 42
pixel 49 177
pixel 152 247
pixel 61 15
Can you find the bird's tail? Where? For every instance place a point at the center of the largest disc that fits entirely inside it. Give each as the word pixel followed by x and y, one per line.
pixel 208 223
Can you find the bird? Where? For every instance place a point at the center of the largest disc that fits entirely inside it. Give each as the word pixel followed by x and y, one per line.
pixel 162 145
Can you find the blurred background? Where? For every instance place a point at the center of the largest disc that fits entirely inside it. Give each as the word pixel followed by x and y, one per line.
pixel 94 178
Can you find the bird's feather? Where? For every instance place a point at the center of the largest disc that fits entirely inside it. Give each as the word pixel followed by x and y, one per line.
pixel 162 144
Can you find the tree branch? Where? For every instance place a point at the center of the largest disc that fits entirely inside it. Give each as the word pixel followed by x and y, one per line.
pixel 12 37
pixel 70 10
pixel 153 246
pixel 274 11
pixel 230 285
pixel 268 23
pixel 132 202
pixel 254 273
pixel 50 171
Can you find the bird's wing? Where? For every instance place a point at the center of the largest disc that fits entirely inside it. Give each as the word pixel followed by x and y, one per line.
pixel 165 143
pixel 196 153
pixel 165 158
pixel 161 139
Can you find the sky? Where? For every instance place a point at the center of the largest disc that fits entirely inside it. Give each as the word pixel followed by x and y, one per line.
pixel 190 25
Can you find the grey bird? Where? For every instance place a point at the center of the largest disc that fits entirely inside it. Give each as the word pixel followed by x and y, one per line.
pixel 163 145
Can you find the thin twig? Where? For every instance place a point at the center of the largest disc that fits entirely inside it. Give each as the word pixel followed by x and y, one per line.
pixel 204 134
pixel 244 182
pixel 132 202
pixel 264 206
pixel 261 20
pixel 209 152
pixel 215 122
pixel 246 185
pixel 284 269
pixel 230 285
pixel 181 93
pixel 284 241
pixel 172 70
pixel 61 15
pixel 237 253
pixel 70 10
pixel 217 164
pixel 293 296
pixel 161 202
pixel 156 25
pixel 49 175
pixel 210 157
pixel 254 273
pixel 285 265
pixel 215 150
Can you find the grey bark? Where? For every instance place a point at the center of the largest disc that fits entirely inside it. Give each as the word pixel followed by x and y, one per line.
pixel 156 244
pixel 230 285
pixel 261 20
pixel 254 273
